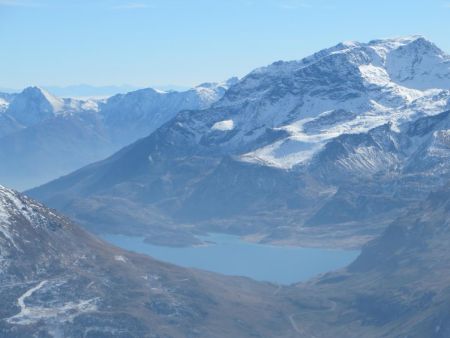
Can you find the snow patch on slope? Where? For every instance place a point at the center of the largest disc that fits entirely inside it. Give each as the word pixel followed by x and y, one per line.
pixel 3 105
pixel 225 125
pixel 30 314
pixel 307 136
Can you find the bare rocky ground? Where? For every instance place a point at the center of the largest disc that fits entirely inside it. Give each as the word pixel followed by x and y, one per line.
pixel 59 281
pixel 398 287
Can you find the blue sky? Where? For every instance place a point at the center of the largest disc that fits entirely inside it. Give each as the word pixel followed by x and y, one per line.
pixel 186 42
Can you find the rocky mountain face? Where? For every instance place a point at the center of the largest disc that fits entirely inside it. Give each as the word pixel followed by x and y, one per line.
pixel 398 287
pixel 51 136
pixel 58 281
pixel 292 153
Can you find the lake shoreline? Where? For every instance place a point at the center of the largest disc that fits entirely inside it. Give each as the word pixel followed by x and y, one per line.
pixel 236 256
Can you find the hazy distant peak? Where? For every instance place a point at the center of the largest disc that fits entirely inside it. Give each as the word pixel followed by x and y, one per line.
pixel 38 93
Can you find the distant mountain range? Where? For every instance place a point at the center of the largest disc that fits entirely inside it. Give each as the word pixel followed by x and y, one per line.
pixel 43 136
pixel 90 91
pixel 322 151
pixel 84 90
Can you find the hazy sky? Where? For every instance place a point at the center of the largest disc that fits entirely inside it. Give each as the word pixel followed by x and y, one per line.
pixel 186 42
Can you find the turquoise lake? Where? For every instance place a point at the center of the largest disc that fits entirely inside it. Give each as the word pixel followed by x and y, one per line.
pixel 230 255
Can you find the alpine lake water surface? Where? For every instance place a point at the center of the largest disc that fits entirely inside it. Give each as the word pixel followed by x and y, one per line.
pixel 230 255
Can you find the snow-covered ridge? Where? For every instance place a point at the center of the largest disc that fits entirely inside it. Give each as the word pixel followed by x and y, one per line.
pixel 398 56
pixel 15 207
pixel 383 81
pixel 412 63
pixel 35 105
pixel 52 136
pixel 10 205
pixel 6 232
pixel 139 113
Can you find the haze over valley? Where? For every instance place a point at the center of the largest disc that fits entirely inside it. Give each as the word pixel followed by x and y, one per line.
pixel 284 157
pixel 291 180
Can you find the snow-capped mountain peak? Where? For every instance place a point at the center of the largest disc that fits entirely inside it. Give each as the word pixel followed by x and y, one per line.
pixel 33 105
pixel 419 64
pixel 412 62
pixel 391 44
pixel 211 92
pixel 39 95
pixel 382 81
